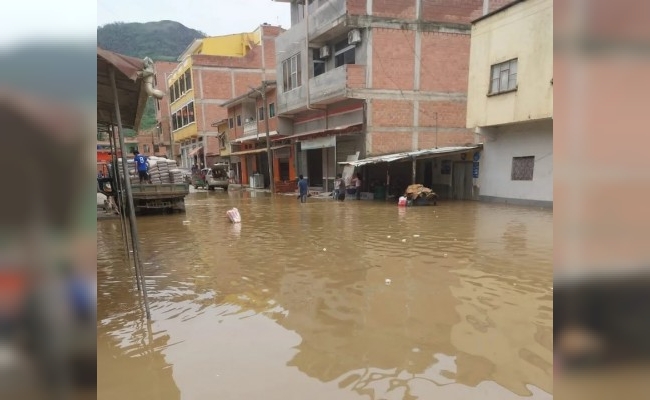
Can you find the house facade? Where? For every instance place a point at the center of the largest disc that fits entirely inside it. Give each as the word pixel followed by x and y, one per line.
pixel 361 79
pixel 211 71
pixel 247 122
pixel 510 102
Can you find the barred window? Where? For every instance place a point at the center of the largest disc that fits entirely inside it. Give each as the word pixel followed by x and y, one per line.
pixel 522 168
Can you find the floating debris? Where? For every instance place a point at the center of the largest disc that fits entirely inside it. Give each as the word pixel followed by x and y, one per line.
pixel 388 281
pixel 324 249
pixel 186 222
pixel 416 235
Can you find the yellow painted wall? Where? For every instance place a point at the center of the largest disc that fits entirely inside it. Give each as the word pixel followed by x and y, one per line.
pixel 185 132
pixel 236 45
pixel 524 31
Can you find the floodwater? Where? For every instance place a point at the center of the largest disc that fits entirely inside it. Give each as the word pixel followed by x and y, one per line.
pixel 295 302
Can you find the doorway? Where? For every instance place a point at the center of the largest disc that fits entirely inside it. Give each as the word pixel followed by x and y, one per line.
pixel 462 181
pixel 315 167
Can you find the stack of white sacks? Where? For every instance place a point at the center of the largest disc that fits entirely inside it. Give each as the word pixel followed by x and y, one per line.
pixel 161 170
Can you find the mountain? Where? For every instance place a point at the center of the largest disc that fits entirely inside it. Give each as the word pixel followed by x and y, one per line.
pixel 162 40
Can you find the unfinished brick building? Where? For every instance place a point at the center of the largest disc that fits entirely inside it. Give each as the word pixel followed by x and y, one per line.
pixel 377 77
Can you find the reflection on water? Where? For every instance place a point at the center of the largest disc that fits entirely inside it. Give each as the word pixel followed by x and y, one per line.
pixel 293 303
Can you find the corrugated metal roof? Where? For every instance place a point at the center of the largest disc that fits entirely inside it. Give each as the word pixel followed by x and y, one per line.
pixel 420 154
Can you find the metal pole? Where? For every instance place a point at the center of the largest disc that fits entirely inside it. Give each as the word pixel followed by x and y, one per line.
pixel 118 192
pixel 268 141
pixel 413 172
pixel 129 194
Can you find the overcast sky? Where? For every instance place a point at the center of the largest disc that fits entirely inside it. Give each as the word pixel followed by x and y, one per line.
pixel 213 17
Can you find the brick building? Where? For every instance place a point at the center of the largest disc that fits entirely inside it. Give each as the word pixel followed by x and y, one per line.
pixel 211 71
pixel 162 137
pixel 376 78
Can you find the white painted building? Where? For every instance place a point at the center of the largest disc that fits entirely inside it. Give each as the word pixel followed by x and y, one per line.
pixel 510 102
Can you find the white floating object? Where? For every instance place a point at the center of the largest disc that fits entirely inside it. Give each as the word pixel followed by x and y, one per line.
pixel 455 240
pixel 324 249
pixel 388 281
pixel 186 222
pixel 233 215
pixel 445 255
pixel 403 240
pixel 416 235
pixel 388 237
pixel 415 350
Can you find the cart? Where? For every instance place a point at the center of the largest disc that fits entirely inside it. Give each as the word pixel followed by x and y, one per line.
pixel 199 180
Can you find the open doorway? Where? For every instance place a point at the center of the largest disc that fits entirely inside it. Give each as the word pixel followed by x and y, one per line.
pixel 315 167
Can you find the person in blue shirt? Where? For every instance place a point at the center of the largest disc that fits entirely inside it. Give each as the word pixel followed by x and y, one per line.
pixel 141 166
pixel 303 187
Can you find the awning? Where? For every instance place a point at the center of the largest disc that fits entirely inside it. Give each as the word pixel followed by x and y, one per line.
pixel 420 154
pixel 255 151
pixel 280 147
pixel 339 130
pixel 261 135
pixel 195 151
pixel 131 95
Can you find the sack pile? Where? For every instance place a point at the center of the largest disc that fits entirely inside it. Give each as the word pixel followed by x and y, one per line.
pixel 161 171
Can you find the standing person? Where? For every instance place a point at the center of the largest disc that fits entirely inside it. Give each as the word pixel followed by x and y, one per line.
pixel 339 191
pixel 303 187
pixel 141 166
pixel 357 185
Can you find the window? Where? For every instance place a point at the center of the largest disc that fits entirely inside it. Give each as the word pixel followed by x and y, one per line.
pixel 181 84
pixel 231 123
pixel 188 79
pixel 145 148
pixel 271 110
pixel 177 90
pixel 260 114
pixel 222 141
pixel 171 93
pixel 522 168
pixel 343 53
pixel 239 120
pixel 503 77
pixel 319 63
pixel 183 117
pixel 291 73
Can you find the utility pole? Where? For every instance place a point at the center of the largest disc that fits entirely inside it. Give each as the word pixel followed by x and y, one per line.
pixel 268 140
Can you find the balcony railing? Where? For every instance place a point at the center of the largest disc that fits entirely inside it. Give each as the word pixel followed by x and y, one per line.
pixel 250 128
pixel 333 85
pixel 328 14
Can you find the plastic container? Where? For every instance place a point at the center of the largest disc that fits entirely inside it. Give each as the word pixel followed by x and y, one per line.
pixel 401 202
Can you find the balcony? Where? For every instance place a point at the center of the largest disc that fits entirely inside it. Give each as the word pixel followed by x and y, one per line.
pixel 334 85
pixel 328 18
pixel 250 128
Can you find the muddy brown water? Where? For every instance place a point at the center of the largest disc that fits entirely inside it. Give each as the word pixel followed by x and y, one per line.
pixel 294 303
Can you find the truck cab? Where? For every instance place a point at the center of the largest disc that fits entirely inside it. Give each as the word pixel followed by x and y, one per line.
pixel 218 176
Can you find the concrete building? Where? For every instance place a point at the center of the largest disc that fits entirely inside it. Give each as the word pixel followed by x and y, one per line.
pixel 510 102
pixel 375 78
pixel 247 121
pixel 211 71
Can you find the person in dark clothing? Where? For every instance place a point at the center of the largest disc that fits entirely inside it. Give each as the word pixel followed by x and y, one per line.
pixel 141 166
pixel 303 188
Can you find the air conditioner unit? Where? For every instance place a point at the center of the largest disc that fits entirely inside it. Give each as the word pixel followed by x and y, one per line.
pixel 354 36
pixel 324 52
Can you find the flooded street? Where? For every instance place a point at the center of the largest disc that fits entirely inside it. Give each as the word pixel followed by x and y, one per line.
pixel 295 302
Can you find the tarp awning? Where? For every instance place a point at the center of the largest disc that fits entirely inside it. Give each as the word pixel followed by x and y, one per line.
pixel 420 154
pixel 131 94
pixel 255 151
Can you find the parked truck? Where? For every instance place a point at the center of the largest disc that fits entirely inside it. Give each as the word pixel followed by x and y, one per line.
pixel 164 197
